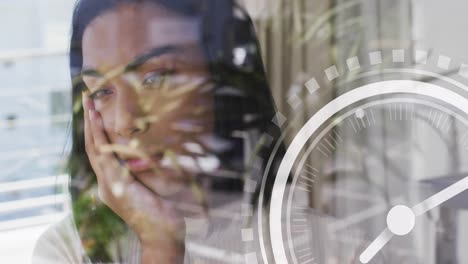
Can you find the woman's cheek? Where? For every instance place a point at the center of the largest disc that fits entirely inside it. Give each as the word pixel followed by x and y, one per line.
pixel 99 105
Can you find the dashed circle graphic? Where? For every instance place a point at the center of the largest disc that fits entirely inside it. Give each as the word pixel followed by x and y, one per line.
pixel 374 64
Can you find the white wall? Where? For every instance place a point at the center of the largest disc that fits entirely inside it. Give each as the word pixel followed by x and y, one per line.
pixel 442 26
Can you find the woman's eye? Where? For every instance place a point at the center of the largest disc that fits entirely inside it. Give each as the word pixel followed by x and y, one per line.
pixel 101 93
pixel 155 79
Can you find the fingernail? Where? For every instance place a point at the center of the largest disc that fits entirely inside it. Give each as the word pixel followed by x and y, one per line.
pixel 83 98
pixel 90 104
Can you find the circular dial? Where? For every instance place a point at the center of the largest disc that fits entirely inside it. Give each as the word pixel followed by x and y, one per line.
pixel 360 174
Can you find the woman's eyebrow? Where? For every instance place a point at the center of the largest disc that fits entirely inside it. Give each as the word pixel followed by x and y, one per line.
pixel 153 53
pixel 91 72
pixel 137 62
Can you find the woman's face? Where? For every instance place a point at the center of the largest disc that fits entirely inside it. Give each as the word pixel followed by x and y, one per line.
pixel 147 76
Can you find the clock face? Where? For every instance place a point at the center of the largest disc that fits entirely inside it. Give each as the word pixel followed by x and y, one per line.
pixel 356 159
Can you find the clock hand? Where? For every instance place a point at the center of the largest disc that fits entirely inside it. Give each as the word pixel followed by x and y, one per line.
pixel 376 246
pixel 401 220
pixel 441 197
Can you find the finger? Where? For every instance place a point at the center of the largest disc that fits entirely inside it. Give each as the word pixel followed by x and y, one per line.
pixel 91 151
pixel 103 164
pixel 89 142
pixel 94 159
pixel 99 139
pixel 97 129
pixel 106 159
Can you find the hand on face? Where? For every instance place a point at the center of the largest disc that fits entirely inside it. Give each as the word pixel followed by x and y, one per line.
pixel 152 218
pixel 137 130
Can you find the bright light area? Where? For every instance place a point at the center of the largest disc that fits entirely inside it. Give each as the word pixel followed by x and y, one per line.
pixel 16 246
pixel 35 112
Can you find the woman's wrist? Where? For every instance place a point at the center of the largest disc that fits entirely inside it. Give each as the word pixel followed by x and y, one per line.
pixel 161 253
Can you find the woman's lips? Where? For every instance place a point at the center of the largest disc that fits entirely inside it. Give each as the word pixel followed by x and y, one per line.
pixel 139 165
pixel 144 164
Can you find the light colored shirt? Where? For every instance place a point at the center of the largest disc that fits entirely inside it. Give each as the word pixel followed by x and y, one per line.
pixel 207 241
pixel 221 240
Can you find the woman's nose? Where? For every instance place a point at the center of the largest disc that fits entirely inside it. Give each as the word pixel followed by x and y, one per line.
pixel 127 113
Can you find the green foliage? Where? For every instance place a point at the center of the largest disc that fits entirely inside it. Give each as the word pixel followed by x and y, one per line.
pixel 97 226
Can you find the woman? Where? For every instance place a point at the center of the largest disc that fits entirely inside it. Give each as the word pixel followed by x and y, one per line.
pixel 170 99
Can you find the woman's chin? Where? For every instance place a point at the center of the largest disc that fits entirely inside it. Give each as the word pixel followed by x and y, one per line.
pixel 180 194
pixel 164 186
